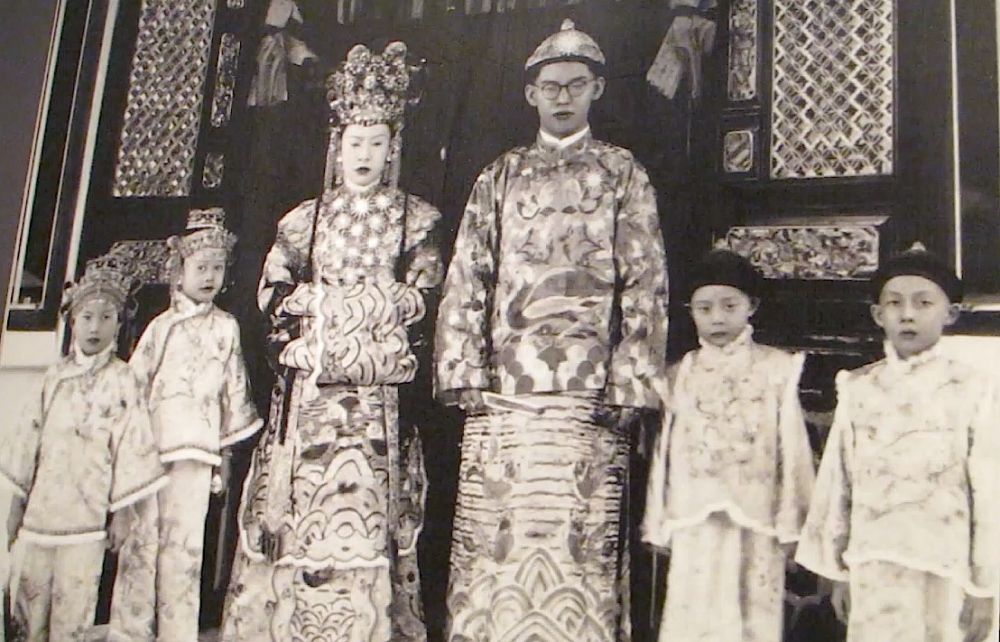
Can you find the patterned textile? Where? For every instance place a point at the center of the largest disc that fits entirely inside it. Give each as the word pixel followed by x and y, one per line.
pixel 338 481
pixel 183 505
pixel 730 481
pixel 81 448
pixel 133 602
pixel 338 576
pixel 537 549
pixel 58 593
pixel 725 584
pixel 158 588
pixel 191 364
pixel 734 442
pixel 909 474
pixel 550 241
pixel 892 602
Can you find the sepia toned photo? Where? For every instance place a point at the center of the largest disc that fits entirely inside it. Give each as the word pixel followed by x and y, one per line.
pixel 500 321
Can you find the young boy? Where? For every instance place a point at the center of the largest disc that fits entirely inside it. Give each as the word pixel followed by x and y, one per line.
pixel 904 519
pixel 190 364
pixel 82 449
pixel 732 474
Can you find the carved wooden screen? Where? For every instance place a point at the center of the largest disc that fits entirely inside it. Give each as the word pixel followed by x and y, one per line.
pixel 833 149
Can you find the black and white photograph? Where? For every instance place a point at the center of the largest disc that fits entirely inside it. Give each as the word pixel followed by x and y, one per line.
pixel 500 320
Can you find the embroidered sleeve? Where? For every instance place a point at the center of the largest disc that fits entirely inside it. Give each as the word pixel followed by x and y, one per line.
pixel 422 256
pixel 827 530
pixel 984 483
pixel 463 326
pixel 143 359
pixel 239 414
pixel 653 530
pixel 795 460
pixel 19 443
pixel 639 359
pixel 284 267
pixel 136 472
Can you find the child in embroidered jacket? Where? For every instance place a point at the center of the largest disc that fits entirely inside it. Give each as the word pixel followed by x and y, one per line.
pixel 81 449
pixel 190 363
pixel 905 514
pixel 732 470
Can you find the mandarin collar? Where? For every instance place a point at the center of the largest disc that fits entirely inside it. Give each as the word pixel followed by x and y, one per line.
pixel 901 365
pixel 92 362
pixel 186 306
pixel 740 345
pixel 553 147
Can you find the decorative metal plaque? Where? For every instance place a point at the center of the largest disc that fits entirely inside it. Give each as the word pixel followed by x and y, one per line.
pixel 225 79
pixel 215 165
pixel 743 39
pixel 738 151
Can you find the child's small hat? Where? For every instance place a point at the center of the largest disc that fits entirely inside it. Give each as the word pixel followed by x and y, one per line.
pixel 99 281
pixel 917 261
pixel 206 229
pixel 725 267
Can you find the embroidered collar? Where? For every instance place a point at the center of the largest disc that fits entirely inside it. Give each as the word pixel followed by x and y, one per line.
pixel 185 306
pixel 738 345
pixel 901 365
pixel 548 140
pixel 92 362
pixel 557 149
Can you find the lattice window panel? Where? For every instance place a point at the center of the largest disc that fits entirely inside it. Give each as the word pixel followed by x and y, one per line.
pixel 166 87
pixel 832 96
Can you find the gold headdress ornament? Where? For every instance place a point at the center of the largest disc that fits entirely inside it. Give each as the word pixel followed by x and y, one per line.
pixel 370 89
pixel 567 44
pixel 99 281
pixel 205 229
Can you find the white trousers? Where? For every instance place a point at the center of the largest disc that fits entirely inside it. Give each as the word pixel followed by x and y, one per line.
pixel 57 593
pixel 183 507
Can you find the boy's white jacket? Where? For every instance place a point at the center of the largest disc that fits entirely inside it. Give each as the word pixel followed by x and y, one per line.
pixel 733 440
pixel 190 363
pixel 81 448
pixel 909 473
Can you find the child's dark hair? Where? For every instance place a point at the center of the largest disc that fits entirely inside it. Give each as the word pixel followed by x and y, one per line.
pixel 917 261
pixel 725 267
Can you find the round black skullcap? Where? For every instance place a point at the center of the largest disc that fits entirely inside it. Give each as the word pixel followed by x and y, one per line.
pixel 725 267
pixel 917 261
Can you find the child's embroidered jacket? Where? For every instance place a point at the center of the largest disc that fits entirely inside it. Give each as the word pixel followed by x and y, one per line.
pixel 909 473
pixel 81 448
pixel 733 441
pixel 191 364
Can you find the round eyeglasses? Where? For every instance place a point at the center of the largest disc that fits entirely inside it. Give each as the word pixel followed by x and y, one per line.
pixel 550 90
